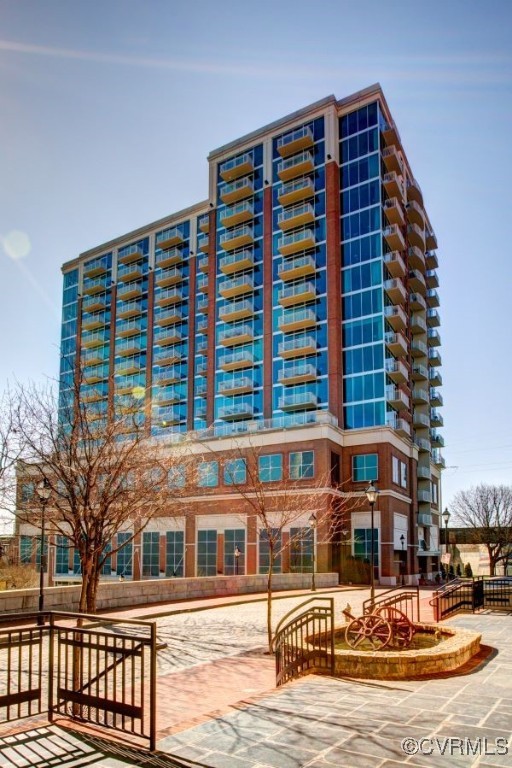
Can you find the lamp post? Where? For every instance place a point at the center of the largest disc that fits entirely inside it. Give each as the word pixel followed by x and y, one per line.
pixel 446 518
pixel 237 555
pixel 402 542
pixel 371 495
pixel 312 524
pixel 43 493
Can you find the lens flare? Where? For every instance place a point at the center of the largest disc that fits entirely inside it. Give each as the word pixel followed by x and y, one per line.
pixel 16 244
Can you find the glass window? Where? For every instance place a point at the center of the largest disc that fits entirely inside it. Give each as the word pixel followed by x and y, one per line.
pixel 403 474
pixel 395 469
pixel 270 467
pixel 176 477
pixel 106 568
pixel 26 543
pixel 208 474
pixel 434 493
pixel 365 467
pixel 62 556
pixel 234 551
pixel 77 564
pixel 264 551
pixel 301 550
pixel 174 553
pixel 302 465
pixel 125 554
pixel 235 472
pixel 207 553
pixel 27 491
pixel 363 544
pixel 151 553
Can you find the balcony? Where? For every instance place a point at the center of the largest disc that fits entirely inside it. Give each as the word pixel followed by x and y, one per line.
pixel 168 375
pixel 237 238
pixel 296 241
pixel 95 339
pixel 236 360
pixel 204 223
pixel 169 238
pixel 202 325
pixel 295 191
pixel 129 291
pixel 236 386
pixel 92 395
pixel 434 357
pixel 97 285
pixel 394 185
pixel 431 260
pixel 236 412
pixel 424 497
pixel 414 192
pixel 237 214
pixel 168 316
pixel 236 310
pixel 202 283
pixel 417 282
pixel 419 372
pixel 129 254
pixel 95 374
pixel 394 264
pixel 235 262
pixel 424 518
pixel 415 214
pixel 415 236
pixel 169 258
pixel 397 371
pixel 129 309
pixel 165 336
pixel 237 335
pixel 202 264
pixel 300 401
pixel 168 356
pixel 401 426
pixel 395 289
pixel 167 395
pixel 418 348
pixel 433 338
pixel 394 211
pixel 236 167
pixel 438 459
pixel 432 297
pixel 127 367
pixel 294 320
pixel 297 347
pixel 129 328
pixel 294 141
pixel 296 216
pixel 436 418
pixel 128 272
pixel 168 296
pixel 95 268
pixel 236 190
pixel 298 374
pixel 390 134
pixel 236 286
pixel 396 344
pixel 202 306
pixel 394 237
pixel 94 303
pixel 416 302
pixel 94 357
pixel 397 399
pixel 423 444
pixel 420 396
pixel 94 321
pixel 436 439
pixel 436 397
pixel 296 165
pixel 392 159
pixel 203 243
pixel 416 258
pixel 396 318
pixel 418 324
pixel 430 240
pixel 300 266
pixel 167 417
pixel 431 278
pixel 420 420
pixel 128 347
pixel 168 277
pixel 297 294
pixel 423 473
pixel 201 345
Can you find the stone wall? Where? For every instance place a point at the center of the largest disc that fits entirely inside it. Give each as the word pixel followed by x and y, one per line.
pixel 124 594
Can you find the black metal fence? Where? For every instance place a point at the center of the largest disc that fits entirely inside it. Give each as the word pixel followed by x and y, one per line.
pixel 306 642
pixel 92 669
pixel 404 599
pixel 470 595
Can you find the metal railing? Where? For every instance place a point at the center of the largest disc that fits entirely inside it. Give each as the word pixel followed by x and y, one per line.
pixel 470 595
pixel 404 599
pixel 306 642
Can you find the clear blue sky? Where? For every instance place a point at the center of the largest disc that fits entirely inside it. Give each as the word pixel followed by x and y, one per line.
pixel 110 107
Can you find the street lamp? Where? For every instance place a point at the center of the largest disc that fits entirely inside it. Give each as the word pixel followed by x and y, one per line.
pixel 402 564
pixel 312 524
pixel 43 493
pixel 237 555
pixel 371 495
pixel 446 518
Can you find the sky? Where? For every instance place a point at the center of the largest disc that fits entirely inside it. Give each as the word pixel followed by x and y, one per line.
pixel 109 108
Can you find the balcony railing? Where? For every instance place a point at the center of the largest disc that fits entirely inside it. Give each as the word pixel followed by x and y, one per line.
pixel 237 261
pixel 129 328
pixel 169 296
pixel 168 335
pixel 236 310
pixel 130 253
pixel 293 191
pixel 129 290
pixel 168 316
pixel 301 400
pixel 95 339
pixel 296 241
pixel 236 286
pixel 399 425
pixel 237 214
pixel 396 317
pixel 237 237
pixel 297 267
pixel 169 276
pixel 296 216
pixel 291 142
pixel 297 374
pixel 169 237
pixel 237 166
pixel 299 292
pixel 129 309
pixel 234 412
pixel 169 257
pixel 127 272
pixel 397 398
pixel 234 360
pixel 236 335
pixel 96 285
pixel 296 165
pixel 95 267
pixel 236 190
pixel 236 385
pixel 295 319
pixel 128 347
pixel 297 346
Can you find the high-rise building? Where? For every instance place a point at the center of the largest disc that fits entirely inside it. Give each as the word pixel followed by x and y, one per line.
pixel 298 304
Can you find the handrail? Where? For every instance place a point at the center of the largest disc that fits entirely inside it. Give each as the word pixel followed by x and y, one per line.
pixel 279 627
pixel 395 595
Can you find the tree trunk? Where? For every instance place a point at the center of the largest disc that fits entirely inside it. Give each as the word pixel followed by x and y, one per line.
pixel 269 609
pixel 92 590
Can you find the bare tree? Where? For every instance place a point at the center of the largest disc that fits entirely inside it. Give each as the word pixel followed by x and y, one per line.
pixel 11 446
pixel 104 472
pixel 487 510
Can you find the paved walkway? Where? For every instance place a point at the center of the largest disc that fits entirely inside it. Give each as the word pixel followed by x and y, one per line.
pixel 218 706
